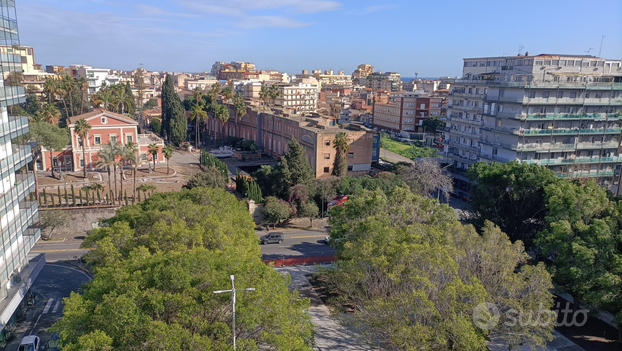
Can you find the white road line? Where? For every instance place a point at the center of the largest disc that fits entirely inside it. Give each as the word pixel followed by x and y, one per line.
pixel 47 307
pixel 55 309
pixel 71 268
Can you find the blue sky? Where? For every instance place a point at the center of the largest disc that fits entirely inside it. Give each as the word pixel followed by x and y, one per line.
pixel 428 37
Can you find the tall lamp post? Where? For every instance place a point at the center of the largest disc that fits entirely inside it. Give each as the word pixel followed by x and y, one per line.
pixel 233 290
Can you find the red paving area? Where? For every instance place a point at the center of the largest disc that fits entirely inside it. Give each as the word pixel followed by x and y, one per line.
pixel 594 335
pixel 301 260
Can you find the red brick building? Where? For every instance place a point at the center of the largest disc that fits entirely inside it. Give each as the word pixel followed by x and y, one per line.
pixel 106 127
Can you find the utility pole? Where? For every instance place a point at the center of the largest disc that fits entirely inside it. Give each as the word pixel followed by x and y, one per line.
pixel 602 37
pixel 139 81
pixel 233 290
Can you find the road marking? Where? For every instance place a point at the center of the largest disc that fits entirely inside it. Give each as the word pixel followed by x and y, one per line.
pixel 47 307
pixel 303 236
pixel 71 268
pixel 61 250
pixel 55 309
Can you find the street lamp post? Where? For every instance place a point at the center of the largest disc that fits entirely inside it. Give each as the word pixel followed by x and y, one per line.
pixel 233 290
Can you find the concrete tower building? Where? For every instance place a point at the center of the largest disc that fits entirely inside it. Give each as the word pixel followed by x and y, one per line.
pixel 18 268
pixel 561 111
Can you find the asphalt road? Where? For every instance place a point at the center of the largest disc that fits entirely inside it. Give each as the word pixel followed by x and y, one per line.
pixel 55 281
pixel 297 243
pixel 61 251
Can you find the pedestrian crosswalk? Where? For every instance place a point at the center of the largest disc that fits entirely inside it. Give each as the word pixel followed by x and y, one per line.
pixel 50 303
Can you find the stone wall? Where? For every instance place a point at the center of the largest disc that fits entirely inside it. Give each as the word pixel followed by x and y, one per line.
pixel 82 220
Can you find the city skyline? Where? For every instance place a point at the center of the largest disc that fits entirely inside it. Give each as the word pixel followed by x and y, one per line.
pixel 291 35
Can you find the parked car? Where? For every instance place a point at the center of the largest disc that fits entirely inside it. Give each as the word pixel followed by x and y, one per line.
pixel 272 238
pixel 326 239
pixel 338 201
pixel 29 343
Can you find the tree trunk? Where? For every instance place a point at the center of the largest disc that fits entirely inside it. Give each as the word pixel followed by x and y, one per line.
pixel 82 106
pixel 52 162
pixel 154 159
pixel 84 156
pixel 167 167
pixel 135 169
pixel 115 183
pixel 121 183
pixel 109 181
pixel 70 104
pixel 65 105
pixel 34 172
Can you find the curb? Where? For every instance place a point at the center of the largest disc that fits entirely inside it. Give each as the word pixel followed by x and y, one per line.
pixel 51 242
pixel 89 273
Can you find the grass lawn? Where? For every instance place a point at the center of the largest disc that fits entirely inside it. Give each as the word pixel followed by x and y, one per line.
pixel 406 149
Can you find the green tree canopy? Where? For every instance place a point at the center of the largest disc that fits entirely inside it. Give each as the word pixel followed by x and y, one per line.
pixel 211 177
pixel 511 195
pixel 275 210
pixel 416 274
pixel 156 267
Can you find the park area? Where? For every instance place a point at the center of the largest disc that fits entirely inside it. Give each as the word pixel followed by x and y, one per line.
pixel 406 149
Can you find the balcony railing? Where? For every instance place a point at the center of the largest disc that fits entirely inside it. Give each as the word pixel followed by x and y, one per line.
pixel 13 128
pixel 570 131
pixel 24 185
pixel 567 147
pixel 569 116
pixel 595 174
pixel 22 154
pixel 496 158
pixel 578 160
pixel 541 85
pixel 8 25
pixel 12 95
pixel 464 146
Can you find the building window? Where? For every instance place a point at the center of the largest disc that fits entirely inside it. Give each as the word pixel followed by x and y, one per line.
pixel 560 94
pixel 128 138
pixel 55 161
pixel 545 94
pixel 104 120
pixel 573 94
pixel 350 154
pixel 538 62
pixel 326 169
pixel 81 162
pixel 98 140
pixel 327 156
pixel 532 94
pixel 113 138
pixel 326 142
pixel 350 168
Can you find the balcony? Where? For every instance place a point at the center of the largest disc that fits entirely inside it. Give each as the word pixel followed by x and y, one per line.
pixel 578 160
pixel 468 108
pixel 8 25
pixel 15 127
pixel 460 158
pixel 594 174
pixel 568 116
pixel 12 96
pixel 500 144
pixel 24 185
pixel 501 129
pixel 467 95
pixel 466 121
pixel 22 154
pixel 569 131
pixel 469 148
pixel 541 85
pixel 10 63
pixel 545 147
pixel 465 134
pixel 496 158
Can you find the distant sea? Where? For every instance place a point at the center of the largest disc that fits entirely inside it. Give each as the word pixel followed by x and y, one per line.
pixel 408 79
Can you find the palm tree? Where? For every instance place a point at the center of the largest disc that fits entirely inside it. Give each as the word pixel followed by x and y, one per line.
pixel 264 95
pixel 120 98
pixel 274 93
pixel 153 150
pixel 83 84
pixel 214 91
pixel 50 88
pixel 62 92
pixel 50 114
pixel 198 115
pixel 95 187
pixel 168 150
pixel 240 111
pixel 106 159
pixel 82 128
pixel 341 143
pixel 123 152
pixel 69 85
pixel 227 93
pixel 222 114
pixel 131 154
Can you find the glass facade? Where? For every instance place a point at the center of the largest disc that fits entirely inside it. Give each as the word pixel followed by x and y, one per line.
pixel 18 217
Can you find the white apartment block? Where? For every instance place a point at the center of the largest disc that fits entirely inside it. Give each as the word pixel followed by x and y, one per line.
pixel 95 76
pixel 297 97
pixel 560 111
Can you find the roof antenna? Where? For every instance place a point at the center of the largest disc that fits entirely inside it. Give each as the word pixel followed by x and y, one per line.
pixel 520 49
pixel 588 50
pixel 601 44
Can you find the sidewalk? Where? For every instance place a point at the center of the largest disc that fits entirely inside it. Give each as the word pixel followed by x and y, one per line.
pixel 330 335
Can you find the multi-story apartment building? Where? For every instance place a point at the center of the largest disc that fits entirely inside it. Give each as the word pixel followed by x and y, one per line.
pixel 560 111
pixel 106 127
pixel 22 54
pixel 95 76
pixel 362 71
pixel 297 97
pixel 273 132
pixel 18 216
pixel 389 81
pixel 405 112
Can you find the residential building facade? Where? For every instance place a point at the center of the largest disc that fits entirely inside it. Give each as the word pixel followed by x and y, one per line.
pixel 18 216
pixel 405 112
pixel 273 132
pixel 95 76
pixel 560 111
pixel 297 97
pixel 389 81
pixel 106 127
pixel 22 54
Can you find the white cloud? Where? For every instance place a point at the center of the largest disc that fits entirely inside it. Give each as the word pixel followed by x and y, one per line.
pixel 149 10
pixel 371 9
pixel 270 21
pixel 241 7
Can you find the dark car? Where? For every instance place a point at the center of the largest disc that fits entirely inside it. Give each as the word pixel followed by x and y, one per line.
pixel 272 238
pixel 52 344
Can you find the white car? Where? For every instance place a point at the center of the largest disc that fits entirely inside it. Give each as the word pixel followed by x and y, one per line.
pixel 326 239
pixel 29 343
